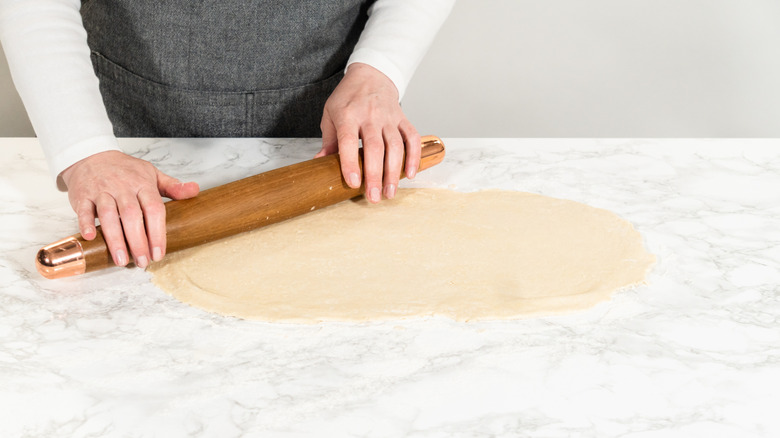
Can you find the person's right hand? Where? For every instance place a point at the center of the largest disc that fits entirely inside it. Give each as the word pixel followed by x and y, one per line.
pixel 125 193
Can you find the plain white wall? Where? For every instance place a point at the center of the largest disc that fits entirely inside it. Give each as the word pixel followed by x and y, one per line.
pixel 596 68
pixel 13 118
pixel 602 68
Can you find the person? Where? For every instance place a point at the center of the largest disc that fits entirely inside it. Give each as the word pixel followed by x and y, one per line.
pixel 90 71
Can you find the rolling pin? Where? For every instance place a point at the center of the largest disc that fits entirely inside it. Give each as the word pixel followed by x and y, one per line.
pixel 233 208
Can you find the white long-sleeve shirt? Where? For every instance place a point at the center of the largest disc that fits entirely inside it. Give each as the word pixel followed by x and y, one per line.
pixel 46 46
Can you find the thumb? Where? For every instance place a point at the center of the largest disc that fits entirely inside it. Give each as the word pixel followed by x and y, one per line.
pixel 171 187
pixel 330 143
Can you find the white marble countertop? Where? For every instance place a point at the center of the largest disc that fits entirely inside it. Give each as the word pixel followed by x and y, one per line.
pixel 696 353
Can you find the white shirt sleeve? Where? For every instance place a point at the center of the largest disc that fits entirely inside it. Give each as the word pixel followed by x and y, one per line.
pixel 397 35
pixel 46 47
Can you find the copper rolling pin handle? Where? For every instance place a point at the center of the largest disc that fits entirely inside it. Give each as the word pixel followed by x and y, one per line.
pixel 432 152
pixel 62 258
pixel 238 202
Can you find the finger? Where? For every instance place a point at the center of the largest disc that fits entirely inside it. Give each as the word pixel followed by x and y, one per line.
pixel 132 218
pixel 373 160
pixel 394 156
pixel 154 218
pixel 413 148
pixel 86 214
pixel 171 187
pixel 105 205
pixel 348 143
pixel 330 143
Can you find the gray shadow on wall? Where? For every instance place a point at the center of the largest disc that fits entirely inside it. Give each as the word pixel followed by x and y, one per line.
pixel 13 118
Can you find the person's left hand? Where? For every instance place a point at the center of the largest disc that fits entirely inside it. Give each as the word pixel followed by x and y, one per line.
pixel 364 106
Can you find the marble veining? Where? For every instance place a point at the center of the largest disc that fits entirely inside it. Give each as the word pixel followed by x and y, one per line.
pixel 695 353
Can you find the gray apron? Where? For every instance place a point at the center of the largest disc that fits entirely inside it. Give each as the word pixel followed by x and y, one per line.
pixel 224 68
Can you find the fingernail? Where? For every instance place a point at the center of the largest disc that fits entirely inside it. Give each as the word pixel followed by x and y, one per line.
pixel 142 262
pixel 156 254
pixel 411 173
pixel 354 180
pixel 374 195
pixel 390 191
pixel 121 258
pixel 88 231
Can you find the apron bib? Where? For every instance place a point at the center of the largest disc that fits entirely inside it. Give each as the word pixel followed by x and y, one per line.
pixel 227 68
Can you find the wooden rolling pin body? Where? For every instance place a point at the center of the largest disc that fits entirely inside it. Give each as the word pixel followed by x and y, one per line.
pixel 229 209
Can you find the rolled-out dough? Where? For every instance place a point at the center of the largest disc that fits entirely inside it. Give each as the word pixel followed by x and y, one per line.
pixel 469 256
